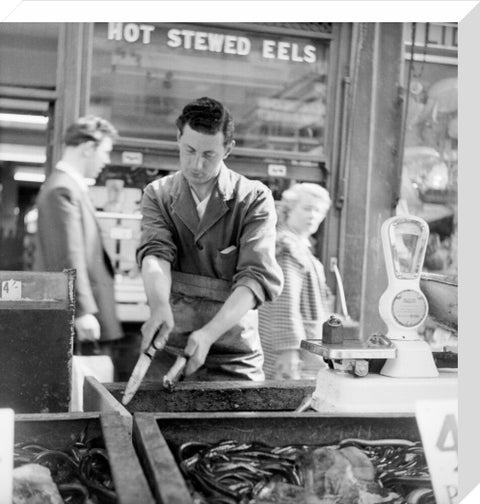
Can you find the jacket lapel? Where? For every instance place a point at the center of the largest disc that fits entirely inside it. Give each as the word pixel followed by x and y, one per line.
pixel 217 206
pixel 183 204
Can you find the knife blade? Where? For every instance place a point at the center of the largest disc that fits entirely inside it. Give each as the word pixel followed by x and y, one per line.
pixel 138 374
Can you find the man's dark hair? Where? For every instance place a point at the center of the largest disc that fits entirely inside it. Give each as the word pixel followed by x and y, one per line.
pixel 209 116
pixel 88 128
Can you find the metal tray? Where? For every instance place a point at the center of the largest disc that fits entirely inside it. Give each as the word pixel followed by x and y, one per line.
pixel 351 349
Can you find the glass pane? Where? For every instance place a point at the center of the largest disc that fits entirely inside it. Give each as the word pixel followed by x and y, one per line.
pixel 274 85
pixel 408 245
pixel 430 158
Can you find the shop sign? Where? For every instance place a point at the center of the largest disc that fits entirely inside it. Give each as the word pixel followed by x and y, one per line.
pixel 438 424
pixel 439 35
pixel 213 42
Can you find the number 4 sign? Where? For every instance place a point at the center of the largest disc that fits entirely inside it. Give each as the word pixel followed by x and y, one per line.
pixel 11 290
pixel 438 424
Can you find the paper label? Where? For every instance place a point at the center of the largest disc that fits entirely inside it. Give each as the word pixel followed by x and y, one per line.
pixel 438 425
pixel 11 290
pixel 7 423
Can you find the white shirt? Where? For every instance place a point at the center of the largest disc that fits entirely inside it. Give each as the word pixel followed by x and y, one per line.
pixel 201 205
pixel 70 170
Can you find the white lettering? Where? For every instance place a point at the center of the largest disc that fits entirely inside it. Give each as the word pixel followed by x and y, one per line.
pixel 131 32
pixel 283 51
pixel 295 56
pixel 215 42
pixel 243 46
pixel 174 38
pixel 188 37
pixel 200 43
pixel 115 31
pixel 147 31
pixel 268 48
pixel 229 46
pixel 310 55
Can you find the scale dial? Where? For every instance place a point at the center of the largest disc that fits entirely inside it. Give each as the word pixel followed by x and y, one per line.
pixel 409 308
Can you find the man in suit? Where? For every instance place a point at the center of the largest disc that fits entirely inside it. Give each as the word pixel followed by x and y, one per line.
pixel 69 237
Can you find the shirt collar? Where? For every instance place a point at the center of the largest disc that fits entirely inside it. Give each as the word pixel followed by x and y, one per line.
pixel 70 170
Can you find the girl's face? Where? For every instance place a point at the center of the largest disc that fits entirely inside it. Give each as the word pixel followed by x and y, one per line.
pixel 306 215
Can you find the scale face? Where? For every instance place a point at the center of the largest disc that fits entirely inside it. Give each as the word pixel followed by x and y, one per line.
pixel 403 306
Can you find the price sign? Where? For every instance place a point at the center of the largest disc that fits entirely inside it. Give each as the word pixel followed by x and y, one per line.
pixel 11 290
pixel 438 424
pixel 7 422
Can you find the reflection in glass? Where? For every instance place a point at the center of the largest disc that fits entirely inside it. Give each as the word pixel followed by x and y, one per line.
pixel 278 102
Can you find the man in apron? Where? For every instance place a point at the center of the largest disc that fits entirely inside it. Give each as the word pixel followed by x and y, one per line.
pixel 207 254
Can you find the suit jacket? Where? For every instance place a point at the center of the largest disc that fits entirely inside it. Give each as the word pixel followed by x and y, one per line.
pixel 68 236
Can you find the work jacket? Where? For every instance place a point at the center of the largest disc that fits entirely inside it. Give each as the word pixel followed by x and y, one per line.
pixel 233 243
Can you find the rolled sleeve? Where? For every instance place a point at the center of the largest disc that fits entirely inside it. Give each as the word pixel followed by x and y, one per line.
pixel 156 237
pixel 257 267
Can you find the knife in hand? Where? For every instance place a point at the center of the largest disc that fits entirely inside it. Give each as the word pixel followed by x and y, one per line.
pixel 140 370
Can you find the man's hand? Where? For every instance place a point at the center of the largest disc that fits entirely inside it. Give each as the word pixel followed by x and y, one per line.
pixel 87 327
pixel 288 365
pixel 160 320
pixel 197 348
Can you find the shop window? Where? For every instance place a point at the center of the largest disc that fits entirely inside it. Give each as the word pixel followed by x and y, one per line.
pixel 275 85
pixel 430 159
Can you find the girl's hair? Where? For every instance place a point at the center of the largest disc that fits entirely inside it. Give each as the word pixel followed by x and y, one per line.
pixel 292 195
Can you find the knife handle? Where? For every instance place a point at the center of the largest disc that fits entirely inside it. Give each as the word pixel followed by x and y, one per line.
pixel 152 349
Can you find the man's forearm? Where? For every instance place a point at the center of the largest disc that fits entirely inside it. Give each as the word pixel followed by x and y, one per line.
pixel 240 301
pixel 157 279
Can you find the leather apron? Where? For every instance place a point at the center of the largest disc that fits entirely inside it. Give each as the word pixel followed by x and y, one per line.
pixel 236 355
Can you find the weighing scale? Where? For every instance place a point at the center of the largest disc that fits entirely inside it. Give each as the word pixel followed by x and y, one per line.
pixel 408 373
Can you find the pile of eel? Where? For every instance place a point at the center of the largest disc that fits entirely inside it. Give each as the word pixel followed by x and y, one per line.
pixel 77 474
pixel 353 471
